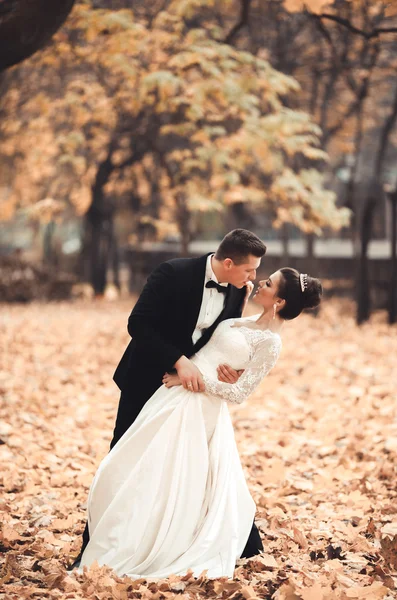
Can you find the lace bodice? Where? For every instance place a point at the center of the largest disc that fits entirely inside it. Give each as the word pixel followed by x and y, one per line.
pixel 238 344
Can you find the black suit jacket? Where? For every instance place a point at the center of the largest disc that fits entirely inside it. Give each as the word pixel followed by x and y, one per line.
pixel 161 326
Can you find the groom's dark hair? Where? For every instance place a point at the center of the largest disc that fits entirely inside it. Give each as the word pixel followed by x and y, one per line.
pixel 238 245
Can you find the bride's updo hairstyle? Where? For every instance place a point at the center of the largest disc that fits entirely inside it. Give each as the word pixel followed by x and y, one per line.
pixel 299 292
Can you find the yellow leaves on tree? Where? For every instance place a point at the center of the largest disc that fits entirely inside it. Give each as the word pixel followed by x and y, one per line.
pixel 315 6
pixel 211 114
pixel 46 210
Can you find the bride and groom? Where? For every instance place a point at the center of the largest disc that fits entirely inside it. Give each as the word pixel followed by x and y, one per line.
pixel 171 494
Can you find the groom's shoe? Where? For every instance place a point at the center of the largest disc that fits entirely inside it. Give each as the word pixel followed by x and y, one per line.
pixel 75 564
pixel 254 544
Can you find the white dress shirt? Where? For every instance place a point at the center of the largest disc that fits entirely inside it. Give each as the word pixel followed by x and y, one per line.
pixel 211 304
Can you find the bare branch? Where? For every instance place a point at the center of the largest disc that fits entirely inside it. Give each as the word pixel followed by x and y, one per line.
pixel 376 32
pixel 243 21
pixel 325 33
pixel 361 94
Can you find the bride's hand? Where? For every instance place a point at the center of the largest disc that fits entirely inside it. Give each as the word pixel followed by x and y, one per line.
pixel 249 288
pixel 171 379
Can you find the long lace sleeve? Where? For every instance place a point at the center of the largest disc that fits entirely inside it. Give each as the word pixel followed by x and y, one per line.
pixel 264 357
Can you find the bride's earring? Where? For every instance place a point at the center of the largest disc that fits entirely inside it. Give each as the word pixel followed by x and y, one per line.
pixel 274 310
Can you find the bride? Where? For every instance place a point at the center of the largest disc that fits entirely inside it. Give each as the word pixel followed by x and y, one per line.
pixel 171 494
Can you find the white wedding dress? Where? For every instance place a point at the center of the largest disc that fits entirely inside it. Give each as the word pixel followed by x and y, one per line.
pixel 171 494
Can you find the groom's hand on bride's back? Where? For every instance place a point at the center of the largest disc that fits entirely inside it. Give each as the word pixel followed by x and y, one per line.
pixel 189 374
pixel 228 375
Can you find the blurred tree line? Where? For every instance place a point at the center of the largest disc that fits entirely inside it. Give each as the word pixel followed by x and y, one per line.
pixel 176 107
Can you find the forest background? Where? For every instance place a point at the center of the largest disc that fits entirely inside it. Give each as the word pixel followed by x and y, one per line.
pixel 174 121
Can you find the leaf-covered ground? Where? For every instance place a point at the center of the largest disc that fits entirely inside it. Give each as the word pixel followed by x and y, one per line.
pixel 318 442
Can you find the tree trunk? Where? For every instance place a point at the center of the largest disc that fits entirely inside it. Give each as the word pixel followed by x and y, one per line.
pixel 115 256
pixel 183 218
pixel 363 237
pixel 362 282
pixel 393 278
pixel 185 241
pixel 310 245
pixel 49 257
pixel 284 243
pixel 100 251
pixel 98 230
pixel 350 203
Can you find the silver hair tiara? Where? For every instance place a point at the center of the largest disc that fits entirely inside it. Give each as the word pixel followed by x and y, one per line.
pixel 303 280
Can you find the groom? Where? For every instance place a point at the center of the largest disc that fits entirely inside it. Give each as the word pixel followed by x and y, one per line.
pixel 178 310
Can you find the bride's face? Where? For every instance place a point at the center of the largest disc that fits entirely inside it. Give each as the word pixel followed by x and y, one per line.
pixel 267 293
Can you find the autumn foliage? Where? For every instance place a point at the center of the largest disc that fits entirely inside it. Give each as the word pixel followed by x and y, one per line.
pixel 213 120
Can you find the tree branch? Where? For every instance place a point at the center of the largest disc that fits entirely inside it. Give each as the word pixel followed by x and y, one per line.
pixel 243 21
pixel 376 32
pixel 361 94
pixel 325 33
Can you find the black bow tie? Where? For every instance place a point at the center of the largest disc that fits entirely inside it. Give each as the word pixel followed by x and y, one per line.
pixel 212 284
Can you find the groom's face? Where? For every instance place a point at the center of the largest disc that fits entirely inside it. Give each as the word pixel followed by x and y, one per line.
pixel 240 275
